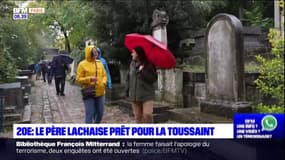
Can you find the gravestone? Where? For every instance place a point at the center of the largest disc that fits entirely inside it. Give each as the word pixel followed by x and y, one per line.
pixel 13 94
pixel 225 86
pixel 28 73
pixel 26 87
pixel 22 79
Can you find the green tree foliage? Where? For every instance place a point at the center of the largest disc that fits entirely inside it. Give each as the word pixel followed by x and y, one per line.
pixel 115 18
pixel 6 8
pixel 271 79
pixel 254 17
pixel 16 46
pixel 250 12
pixel 66 19
pixel 7 66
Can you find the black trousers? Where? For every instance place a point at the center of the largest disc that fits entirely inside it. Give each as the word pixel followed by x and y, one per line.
pixel 59 85
pixel 44 74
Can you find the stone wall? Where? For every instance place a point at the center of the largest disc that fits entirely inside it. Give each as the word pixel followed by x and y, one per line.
pixel 173 87
pixel 194 89
pixel 15 107
pixel 118 78
pixel 13 94
pixel 255 42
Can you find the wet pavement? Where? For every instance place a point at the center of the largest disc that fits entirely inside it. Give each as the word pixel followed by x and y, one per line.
pixel 47 107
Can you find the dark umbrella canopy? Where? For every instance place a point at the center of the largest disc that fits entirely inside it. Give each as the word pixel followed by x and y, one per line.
pixel 156 52
pixel 63 58
pixel 31 66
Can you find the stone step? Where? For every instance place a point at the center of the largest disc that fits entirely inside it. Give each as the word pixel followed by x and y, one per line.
pixel 160 110
pixel 225 108
pixel 171 122
pixel 157 107
pixel 160 118
pixel 12 117
pixel 9 109
pixel 160 107
pixel 194 115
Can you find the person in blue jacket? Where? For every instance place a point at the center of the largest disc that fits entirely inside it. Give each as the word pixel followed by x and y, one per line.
pixel 105 64
pixel 38 70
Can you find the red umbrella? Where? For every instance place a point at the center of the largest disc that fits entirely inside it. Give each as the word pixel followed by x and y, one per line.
pixel 156 52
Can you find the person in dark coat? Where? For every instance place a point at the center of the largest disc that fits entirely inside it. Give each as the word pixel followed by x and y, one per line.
pixel 140 86
pixel 49 72
pixel 44 70
pixel 31 67
pixel 59 72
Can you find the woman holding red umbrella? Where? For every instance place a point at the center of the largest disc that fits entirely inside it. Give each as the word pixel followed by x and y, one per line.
pixel 140 86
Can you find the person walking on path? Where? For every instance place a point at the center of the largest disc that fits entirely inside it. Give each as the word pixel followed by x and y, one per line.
pixel 44 69
pixel 105 64
pixel 91 73
pixel 140 86
pixel 38 71
pixel 49 72
pixel 59 72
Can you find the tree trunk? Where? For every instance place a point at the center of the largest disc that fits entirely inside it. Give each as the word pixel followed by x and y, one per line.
pixel 67 43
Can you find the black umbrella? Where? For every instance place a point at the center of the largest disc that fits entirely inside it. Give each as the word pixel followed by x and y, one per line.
pixel 63 58
pixel 31 67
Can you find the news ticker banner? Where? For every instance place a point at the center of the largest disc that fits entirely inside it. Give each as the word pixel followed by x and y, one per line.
pixel 122 131
pixel 245 126
pixel 23 13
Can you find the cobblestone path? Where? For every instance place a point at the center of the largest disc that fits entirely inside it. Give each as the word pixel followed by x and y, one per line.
pixel 47 107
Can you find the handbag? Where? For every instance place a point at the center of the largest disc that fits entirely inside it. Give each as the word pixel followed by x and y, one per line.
pixel 89 91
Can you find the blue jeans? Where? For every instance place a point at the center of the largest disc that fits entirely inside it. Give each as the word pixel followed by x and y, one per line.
pixel 94 109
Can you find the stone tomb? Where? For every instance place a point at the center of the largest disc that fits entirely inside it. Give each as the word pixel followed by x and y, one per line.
pixel 13 95
pixel 225 86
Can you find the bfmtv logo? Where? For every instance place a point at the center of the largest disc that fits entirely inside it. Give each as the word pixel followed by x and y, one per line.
pixel 20 10
pixel 20 13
